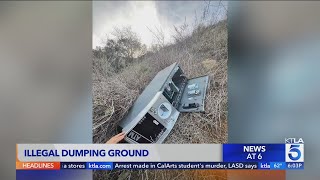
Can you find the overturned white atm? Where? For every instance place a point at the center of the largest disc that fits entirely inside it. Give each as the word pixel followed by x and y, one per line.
pixel 153 115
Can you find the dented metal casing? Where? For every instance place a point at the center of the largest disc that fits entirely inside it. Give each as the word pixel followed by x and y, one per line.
pixel 156 110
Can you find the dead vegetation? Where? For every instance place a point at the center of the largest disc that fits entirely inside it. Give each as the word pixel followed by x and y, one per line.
pixel 201 53
pixel 204 52
pixel 162 174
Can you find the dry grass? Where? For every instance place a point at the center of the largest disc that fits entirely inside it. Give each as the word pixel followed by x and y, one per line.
pixel 162 174
pixel 202 53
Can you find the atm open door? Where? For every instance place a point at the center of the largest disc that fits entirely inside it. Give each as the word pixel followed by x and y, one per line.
pixel 194 94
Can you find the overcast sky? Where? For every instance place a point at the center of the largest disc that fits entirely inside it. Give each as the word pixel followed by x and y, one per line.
pixel 145 15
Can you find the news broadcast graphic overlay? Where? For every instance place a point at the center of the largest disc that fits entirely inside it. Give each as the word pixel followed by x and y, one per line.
pixel 100 165
pixel 277 165
pixel 294 153
pixel 146 165
pixel 38 165
pixel 73 165
pixel 295 165
pixel 263 165
pixel 175 165
pixel 254 153
pixel 158 156
pixel 119 153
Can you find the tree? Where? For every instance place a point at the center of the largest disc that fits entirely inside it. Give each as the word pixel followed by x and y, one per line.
pixel 129 43
pixel 118 52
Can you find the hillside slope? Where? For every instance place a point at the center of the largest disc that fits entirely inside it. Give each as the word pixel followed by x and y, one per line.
pixel 202 53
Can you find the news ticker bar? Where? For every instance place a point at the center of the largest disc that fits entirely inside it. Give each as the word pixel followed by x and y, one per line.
pixel 160 165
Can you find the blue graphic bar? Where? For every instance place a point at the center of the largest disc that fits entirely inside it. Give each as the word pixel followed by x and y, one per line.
pixel 277 165
pixel 99 165
pixel 254 152
pixel 295 165
pixel 264 165
pixel 281 165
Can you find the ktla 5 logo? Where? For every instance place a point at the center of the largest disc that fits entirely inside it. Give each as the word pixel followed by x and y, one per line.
pixel 294 152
